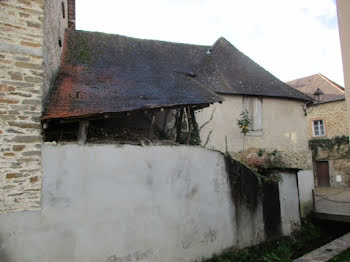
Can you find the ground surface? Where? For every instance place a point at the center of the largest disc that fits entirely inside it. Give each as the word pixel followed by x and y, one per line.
pixel 332 203
pixel 314 233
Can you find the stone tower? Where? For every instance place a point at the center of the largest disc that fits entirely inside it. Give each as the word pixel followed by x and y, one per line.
pixel 31 39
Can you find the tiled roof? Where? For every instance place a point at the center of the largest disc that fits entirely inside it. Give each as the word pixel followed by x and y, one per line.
pixel 105 73
pixel 308 85
pixel 229 71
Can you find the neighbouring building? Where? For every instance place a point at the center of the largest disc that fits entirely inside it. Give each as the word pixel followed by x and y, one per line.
pixel 343 8
pixel 327 130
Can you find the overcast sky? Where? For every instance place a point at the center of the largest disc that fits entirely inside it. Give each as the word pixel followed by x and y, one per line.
pixel 289 38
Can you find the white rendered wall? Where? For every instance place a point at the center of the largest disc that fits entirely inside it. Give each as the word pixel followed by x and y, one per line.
pixel 305 186
pixel 289 201
pixel 125 203
pixel 284 128
pixel 115 203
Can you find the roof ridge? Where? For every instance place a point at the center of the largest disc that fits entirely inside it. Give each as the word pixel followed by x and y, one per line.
pixel 219 40
pixel 285 90
pixel 332 83
pixel 296 79
pixel 135 38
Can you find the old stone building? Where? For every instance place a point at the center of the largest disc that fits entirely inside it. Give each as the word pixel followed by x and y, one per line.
pixel 106 200
pixel 343 10
pixel 31 37
pixel 327 131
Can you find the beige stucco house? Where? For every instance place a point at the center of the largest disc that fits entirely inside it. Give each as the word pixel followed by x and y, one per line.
pixel 343 8
pixel 327 131
pixel 275 110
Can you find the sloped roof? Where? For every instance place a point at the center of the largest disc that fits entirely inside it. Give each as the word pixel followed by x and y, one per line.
pixel 229 71
pixel 104 73
pixel 308 85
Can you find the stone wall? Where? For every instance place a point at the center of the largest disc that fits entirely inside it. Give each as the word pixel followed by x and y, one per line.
pixel 54 27
pixel 22 88
pixel 334 118
pixel 338 156
pixel 335 123
pixel 305 185
pixel 284 128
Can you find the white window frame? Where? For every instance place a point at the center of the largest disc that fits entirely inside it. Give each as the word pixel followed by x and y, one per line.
pixel 321 130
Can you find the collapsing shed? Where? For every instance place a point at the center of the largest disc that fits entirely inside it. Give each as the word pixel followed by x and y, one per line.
pixel 111 87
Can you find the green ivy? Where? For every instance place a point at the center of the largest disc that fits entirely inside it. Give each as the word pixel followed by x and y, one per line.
pixel 195 136
pixel 263 174
pixel 327 143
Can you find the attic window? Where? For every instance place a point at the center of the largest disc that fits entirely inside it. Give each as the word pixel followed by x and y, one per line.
pixel 63 10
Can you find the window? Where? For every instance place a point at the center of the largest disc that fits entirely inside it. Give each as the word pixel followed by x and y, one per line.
pixel 254 106
pixel 63 10
pixel 318 128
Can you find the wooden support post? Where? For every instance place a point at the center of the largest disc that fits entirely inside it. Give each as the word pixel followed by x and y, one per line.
pixel 82 133
pixel 189 123
pixel 151 127
pixel 165 121
pixel 179 124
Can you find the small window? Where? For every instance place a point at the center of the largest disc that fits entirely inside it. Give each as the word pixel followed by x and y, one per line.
pixel 63 10
pixel 318 128
pixel 254 106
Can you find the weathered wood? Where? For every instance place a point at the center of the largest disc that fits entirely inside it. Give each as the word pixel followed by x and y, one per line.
pixel 165 120
pixel 189 124
pixel 82 133
pixel 152 126
pixel 179 124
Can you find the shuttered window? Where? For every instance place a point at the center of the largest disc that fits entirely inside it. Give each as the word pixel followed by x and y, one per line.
pixel 254 106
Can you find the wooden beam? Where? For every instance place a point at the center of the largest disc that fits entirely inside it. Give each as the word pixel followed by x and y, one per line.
pixel 82 133
pixel 152 125
pixel 189 125
pixel 179 124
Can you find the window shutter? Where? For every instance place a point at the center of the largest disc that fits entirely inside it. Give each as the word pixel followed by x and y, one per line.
pixel 254 107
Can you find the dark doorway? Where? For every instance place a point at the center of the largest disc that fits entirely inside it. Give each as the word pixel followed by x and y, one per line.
pixel 322 172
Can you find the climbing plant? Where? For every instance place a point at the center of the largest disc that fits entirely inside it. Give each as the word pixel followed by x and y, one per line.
pixel 244 124
pixel 328 144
